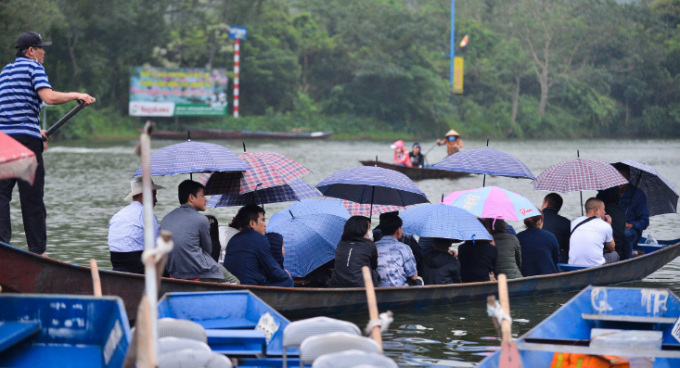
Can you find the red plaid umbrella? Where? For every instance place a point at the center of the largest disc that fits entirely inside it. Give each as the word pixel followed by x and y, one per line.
pixel 578 175
pixel 357 209
pixel 267 170
pixel 16 161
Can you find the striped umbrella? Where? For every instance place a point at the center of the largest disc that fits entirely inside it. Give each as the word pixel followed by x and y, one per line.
pixel 487 161
pixel 193 157
pixel 358 209
pixel 16 161
pixel 578 175
pixel 297 190
pixel 661 196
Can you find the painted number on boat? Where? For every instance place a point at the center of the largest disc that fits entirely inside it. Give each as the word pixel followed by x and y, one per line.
pixel 268 326
pixel 112 342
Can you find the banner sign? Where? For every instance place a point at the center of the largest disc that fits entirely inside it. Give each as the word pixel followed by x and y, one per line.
pixel 238 33
pixel 178 92
pixel 458 75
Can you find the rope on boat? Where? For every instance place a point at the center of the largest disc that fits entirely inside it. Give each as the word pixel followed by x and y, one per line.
pixel 383 322
pixel 498 313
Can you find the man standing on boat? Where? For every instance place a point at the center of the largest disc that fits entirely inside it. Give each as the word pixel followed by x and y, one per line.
pixel 23 88
pixel 452 141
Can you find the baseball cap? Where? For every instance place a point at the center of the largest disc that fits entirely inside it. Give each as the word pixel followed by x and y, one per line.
pixel 30 39
pixel 416 145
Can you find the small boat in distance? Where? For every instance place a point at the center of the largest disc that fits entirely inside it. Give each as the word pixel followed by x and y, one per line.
pixel 635 324
pixel 416 173
pixel 208 134
pixel 62 331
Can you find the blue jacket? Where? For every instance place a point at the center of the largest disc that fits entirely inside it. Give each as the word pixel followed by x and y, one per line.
pixel 634 202
pixel 250 259
pixel 540 252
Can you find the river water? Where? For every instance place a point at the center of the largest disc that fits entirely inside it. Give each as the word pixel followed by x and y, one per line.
pixel 86 183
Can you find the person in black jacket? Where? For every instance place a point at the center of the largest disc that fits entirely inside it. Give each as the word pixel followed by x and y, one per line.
pixel 556 224
pixel 215 237
pixel 441 266
pixel 276 247
pixel 477 260
pixel 540 250
pixel 613 208
pixel 355 250
pixel 416 157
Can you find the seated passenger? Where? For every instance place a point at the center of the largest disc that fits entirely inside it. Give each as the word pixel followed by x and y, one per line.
pixel 556 224
pixel 215 236
pixel 355 250
pixel 591 235
pixel 509 259
pixel 634 203
pixel 540 250
pixel 395 259
pixel 276 247
pixel 190 258
pixel 417 158
pixel 401 157
pixel 226 233
pixel 407 239
pixel 477 260
pixel 126 231
pixel 612 207
pixel 249 256
pixel 440 266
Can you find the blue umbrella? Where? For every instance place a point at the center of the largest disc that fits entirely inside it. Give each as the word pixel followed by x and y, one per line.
pixel 374 185
pixel 193 157
pixel 294 191
pixel 661 196
pixel 442 221
pixel 311 231
pixel 487 161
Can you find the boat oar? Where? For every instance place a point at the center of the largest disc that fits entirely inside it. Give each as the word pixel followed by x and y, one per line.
pixel 509 354
pixel 67 117
pixel 372 304
pixel 96 283
pixel 146 352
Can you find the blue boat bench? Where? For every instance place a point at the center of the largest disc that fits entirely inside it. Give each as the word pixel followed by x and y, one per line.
pixel 12 333
pixel 237 342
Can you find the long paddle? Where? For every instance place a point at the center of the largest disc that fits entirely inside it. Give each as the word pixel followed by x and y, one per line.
pixel 509 354
pixel 96 282
pixel 372 304
pixel 67 117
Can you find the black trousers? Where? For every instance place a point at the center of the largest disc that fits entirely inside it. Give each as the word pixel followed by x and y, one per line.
pixel 31 198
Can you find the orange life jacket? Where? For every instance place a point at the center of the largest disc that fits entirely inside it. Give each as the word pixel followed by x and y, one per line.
pixel 571 360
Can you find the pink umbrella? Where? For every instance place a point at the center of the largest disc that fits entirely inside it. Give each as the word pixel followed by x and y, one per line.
pixel 16 161
pixel 493 202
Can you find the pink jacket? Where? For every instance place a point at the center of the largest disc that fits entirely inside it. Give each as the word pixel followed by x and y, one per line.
pixel 402 158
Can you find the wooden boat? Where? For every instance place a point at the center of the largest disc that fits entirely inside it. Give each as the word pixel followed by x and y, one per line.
pixel 231 319
pixel 62 331
pixel 208 134
pixel 415 173
pixel 638 322
pixel 24 272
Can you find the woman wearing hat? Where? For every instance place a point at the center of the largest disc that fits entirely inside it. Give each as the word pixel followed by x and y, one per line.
pixel 401 157
pixel 453 142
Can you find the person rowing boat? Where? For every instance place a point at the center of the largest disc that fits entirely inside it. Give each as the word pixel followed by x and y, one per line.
pixel 452 141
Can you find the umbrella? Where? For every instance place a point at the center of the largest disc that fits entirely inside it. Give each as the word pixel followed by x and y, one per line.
pixel 442 221
pixel 358 209
pixel 487 161
pixel 311 231
pixel 297 190
pixel 493 202
pixel 193 157
pixel 16 161
pixel 374 185
pixel 267 170
pixel 661 196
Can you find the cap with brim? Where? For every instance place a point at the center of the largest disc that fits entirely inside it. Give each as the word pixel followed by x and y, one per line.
pixel 137 188
pixel 30 39
pixel 452 133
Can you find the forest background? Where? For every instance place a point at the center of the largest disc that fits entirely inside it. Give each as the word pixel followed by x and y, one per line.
pixel 376 68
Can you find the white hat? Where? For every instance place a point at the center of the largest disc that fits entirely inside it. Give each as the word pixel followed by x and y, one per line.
pixel 136 187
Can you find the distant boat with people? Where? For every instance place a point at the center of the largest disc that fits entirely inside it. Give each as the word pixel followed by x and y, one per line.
pixel 205 134
pixel 418 173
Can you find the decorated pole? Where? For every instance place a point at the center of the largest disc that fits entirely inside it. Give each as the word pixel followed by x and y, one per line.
pixel 237 44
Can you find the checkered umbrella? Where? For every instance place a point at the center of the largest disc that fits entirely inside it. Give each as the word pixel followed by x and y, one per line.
pixel 268 170
pixel 193 157
pixel 661 196
pixel 442 221
pixel 578 175
pixel 297 190
pixel 311 231
pixel 16 161
pixel 486 161
pixel 358 209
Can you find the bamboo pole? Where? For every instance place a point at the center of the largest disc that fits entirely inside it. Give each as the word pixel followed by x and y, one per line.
pixel 372 304
pixel 96 282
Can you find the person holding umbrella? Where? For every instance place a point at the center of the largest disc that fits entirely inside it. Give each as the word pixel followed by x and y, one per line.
pixel 23 88
pixel 634 202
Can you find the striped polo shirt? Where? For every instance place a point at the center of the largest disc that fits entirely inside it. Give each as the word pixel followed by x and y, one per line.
pixel 19 100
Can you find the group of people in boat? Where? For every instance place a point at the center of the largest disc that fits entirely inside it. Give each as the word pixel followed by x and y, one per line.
pixel 415 158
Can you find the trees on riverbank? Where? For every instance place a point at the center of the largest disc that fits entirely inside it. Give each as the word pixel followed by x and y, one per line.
pixel 533 68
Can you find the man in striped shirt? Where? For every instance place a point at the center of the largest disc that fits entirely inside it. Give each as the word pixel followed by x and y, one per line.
pixel 23 88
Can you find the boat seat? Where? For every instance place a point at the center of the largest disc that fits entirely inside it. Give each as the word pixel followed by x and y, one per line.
pixel 296 332
pixel 193 358
pixel 316 346
pixel 234 323
pixel 181 328
pixel 648 248
pixel 572 267
pixel 633 319
pixel 12 333
pixel 237 342
pixel 171 344
pixel 353 358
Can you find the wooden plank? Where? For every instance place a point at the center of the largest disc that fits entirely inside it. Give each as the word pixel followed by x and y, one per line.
pixel 12 333
pixel 633 319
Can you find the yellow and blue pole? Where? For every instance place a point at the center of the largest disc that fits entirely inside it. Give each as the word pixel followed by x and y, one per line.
pixel 452 52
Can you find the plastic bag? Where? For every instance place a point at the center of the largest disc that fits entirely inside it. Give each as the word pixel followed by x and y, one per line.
pixel 651 240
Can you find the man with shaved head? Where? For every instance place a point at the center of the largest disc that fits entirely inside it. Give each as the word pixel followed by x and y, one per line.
pixel 592 242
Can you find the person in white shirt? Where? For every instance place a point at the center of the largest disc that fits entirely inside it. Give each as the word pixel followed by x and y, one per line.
pixel 590 235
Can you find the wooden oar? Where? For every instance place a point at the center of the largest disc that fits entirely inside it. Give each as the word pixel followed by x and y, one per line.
pixel 372 304
pixel 96 283
pixel 509 354
pixel 67 117
pixel 146 356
